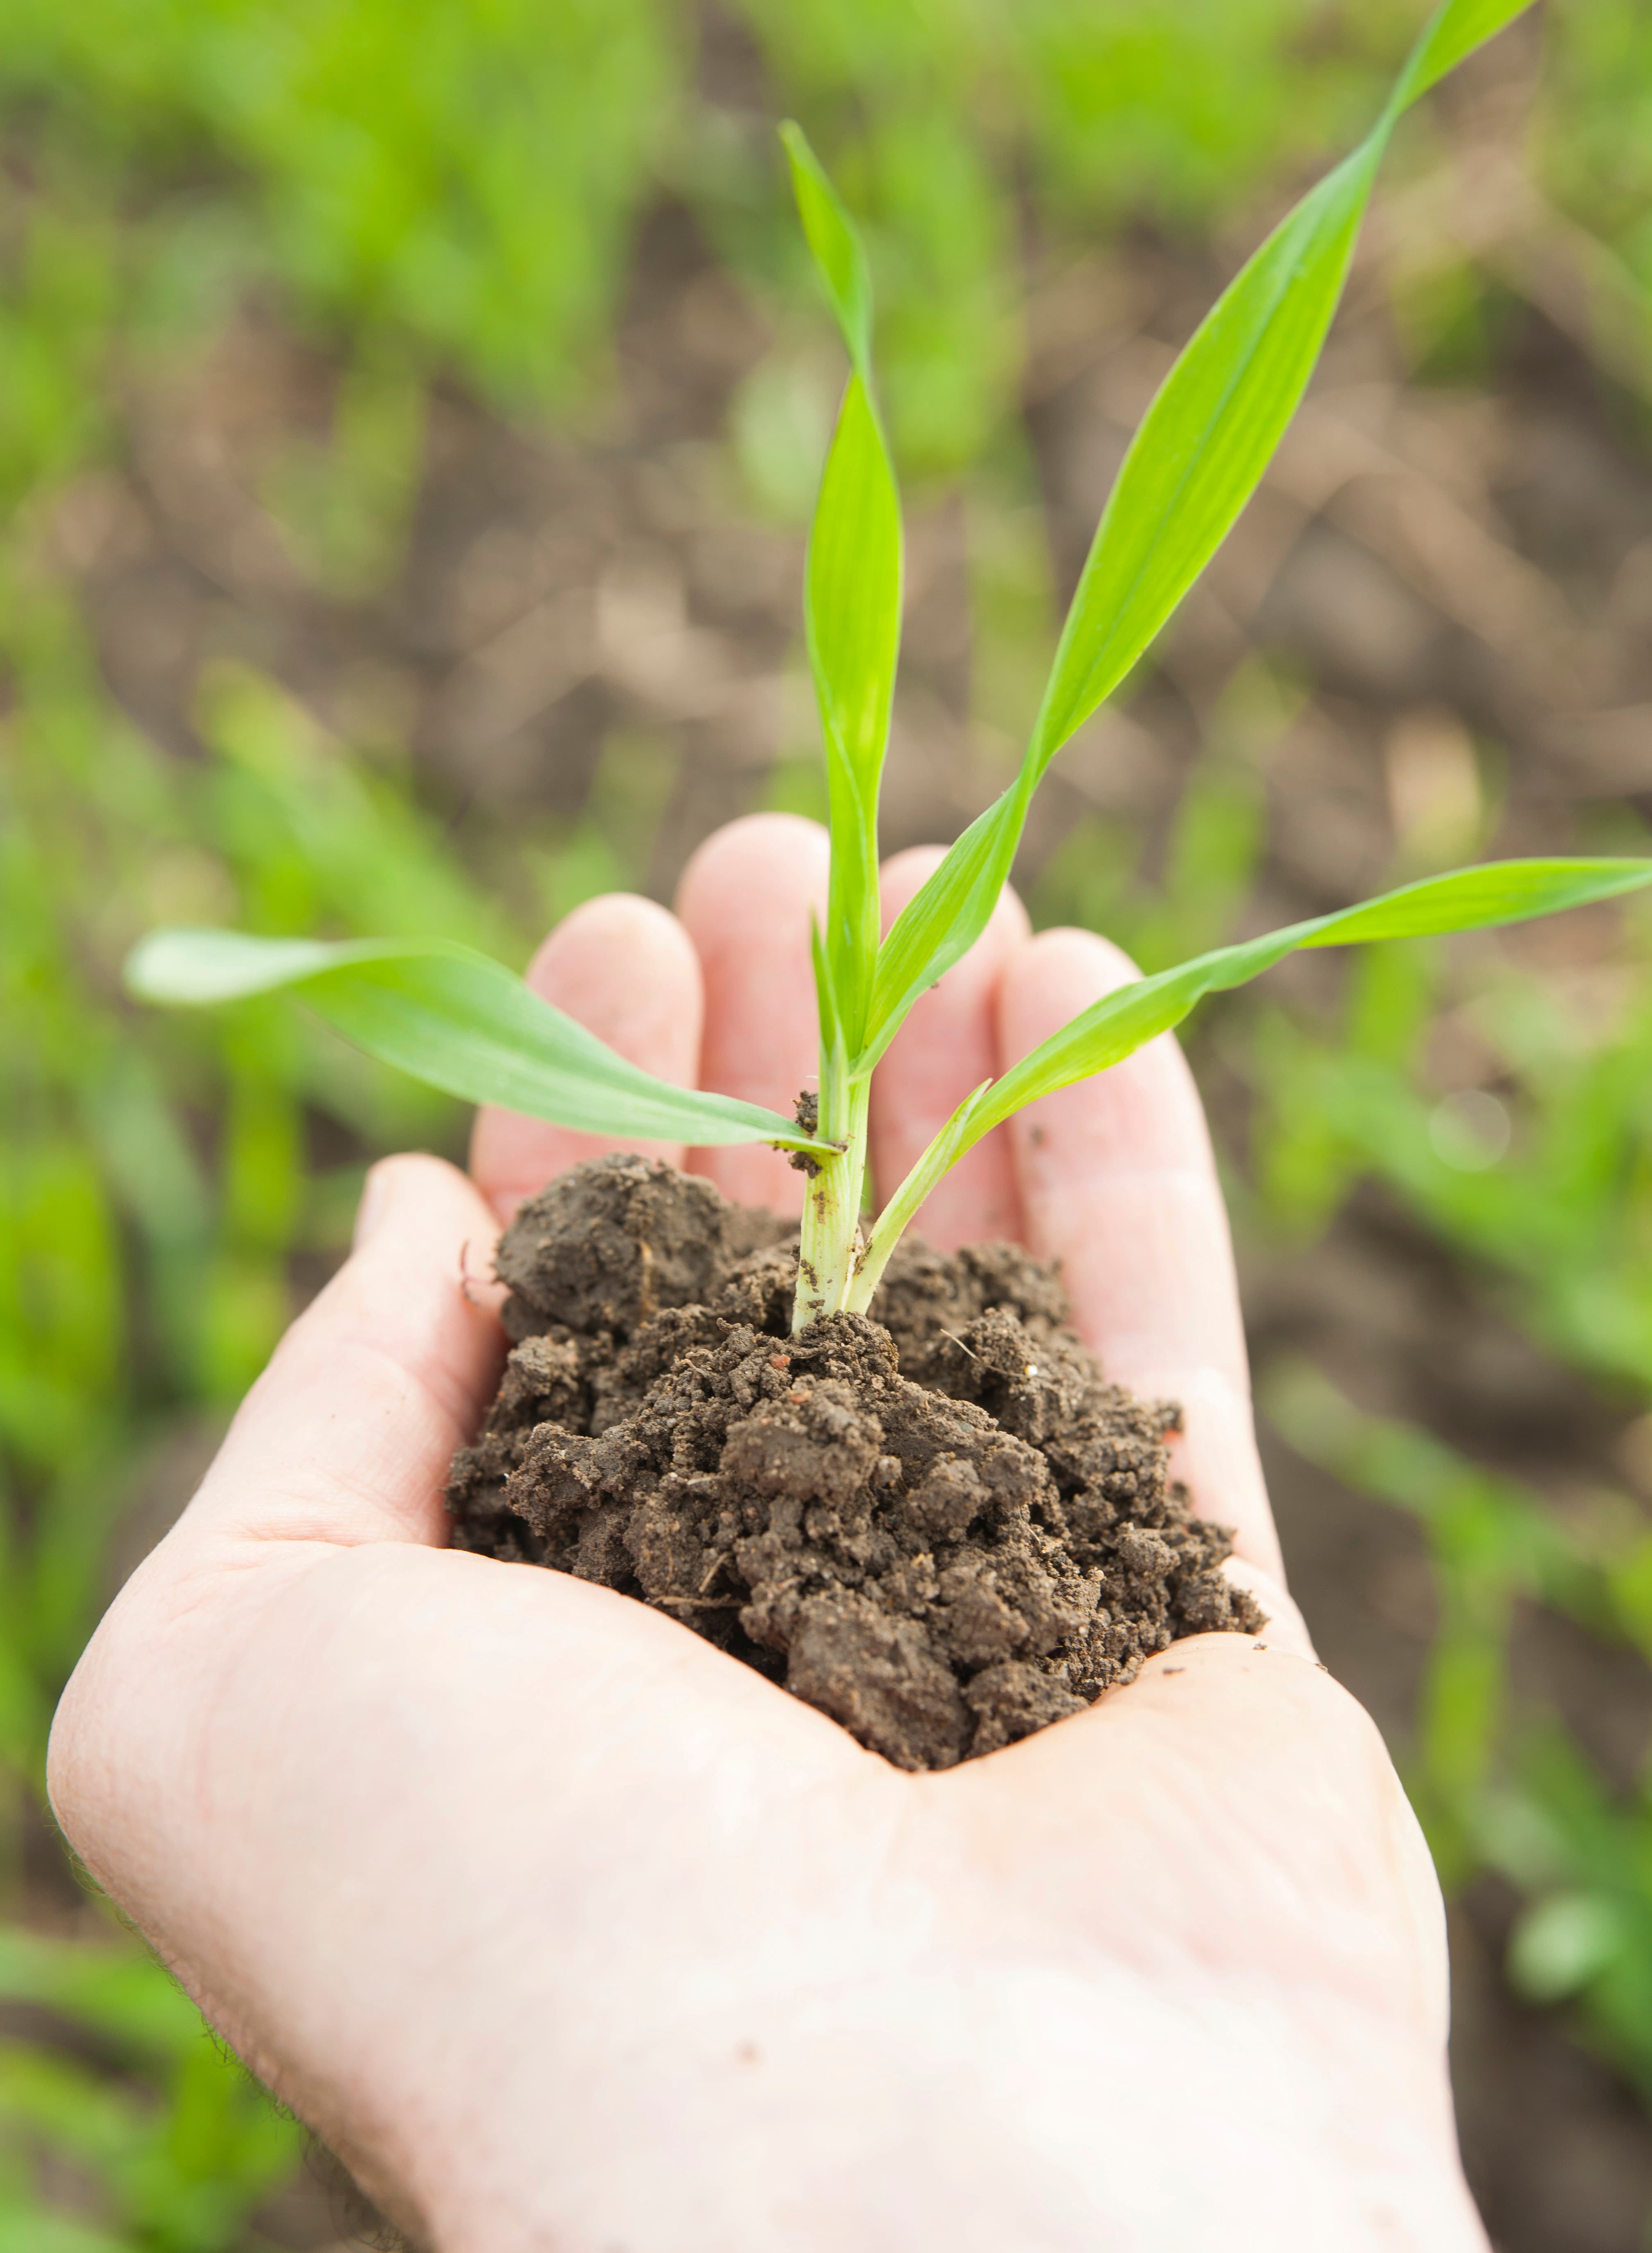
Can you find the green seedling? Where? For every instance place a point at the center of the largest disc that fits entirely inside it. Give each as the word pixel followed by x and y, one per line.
pixel 462 1022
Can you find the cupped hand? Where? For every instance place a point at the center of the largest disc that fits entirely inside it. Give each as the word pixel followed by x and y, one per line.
pixel 570 1933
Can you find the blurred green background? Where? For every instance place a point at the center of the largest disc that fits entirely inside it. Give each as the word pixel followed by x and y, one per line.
pixel 408 416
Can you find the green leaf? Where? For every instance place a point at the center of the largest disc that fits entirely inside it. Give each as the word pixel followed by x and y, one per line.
pixel 1204 444
pixel 852 611
pixel 831 1022
pixel 457 1021
pixel 1453 32
pixel 854 621
pixel 833 244
pixel 1469 899
pixel 944 918
pixel 1474 899
pixel 1195 461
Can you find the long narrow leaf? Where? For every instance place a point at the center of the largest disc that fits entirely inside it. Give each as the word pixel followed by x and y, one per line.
pixel 1195 461
pixel 117 1990
pixel 1451 33
pixel 852 604
pixel 457 1021
pixel 1469 899
pixel 1204 444
pixel 853 615
pixel 833 244
pixel 945 917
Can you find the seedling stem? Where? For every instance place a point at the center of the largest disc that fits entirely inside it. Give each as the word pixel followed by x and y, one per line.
pixel 831 1205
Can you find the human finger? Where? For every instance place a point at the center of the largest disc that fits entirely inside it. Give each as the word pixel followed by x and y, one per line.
pixel 1118 1183
pixel 746 900
pixel 947 1046
pixel 626 967
pixel 347 1435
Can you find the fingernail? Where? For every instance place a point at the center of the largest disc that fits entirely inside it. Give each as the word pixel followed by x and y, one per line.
pixel 376 1198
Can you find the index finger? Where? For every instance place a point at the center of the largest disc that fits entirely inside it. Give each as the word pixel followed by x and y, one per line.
pixel 626 969
pixel 746 899
pixel 1119 1184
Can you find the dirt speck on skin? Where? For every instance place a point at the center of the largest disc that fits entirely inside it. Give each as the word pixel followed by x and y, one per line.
pixel 941 1526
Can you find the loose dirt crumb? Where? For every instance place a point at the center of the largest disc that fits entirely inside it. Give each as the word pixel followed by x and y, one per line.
pixel 942 1526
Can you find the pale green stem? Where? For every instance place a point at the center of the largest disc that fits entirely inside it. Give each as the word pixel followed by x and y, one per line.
pixel 897 1215
pixel 831 1209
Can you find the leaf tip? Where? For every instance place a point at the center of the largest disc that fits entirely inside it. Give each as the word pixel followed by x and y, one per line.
pixel 805 166
pixel 144 973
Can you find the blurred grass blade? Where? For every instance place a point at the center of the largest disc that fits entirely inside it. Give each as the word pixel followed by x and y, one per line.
pixel 1469 899
pixel 117 1990
pixel 1451 33
pixel 1195 460
pixel 852 606
pixel 26 2227
pixel 457 1021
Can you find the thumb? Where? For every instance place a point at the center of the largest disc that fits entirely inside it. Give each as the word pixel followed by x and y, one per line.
pixel 347 1435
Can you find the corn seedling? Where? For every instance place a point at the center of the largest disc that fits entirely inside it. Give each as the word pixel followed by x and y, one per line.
pixel 456 1019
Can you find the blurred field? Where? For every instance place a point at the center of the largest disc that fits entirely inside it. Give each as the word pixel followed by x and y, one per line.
pixel 409 421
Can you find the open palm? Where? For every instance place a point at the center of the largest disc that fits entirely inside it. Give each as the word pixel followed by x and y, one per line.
pixel 570 1933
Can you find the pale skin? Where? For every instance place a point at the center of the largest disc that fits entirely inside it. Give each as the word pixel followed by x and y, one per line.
pixel 571 1934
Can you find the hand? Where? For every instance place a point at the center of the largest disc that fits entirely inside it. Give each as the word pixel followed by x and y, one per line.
pixel 568 1931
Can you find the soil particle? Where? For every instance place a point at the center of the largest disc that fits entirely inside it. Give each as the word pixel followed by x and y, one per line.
pixel 943 1526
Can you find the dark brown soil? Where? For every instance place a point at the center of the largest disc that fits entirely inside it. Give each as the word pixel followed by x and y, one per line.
pixel 942 1527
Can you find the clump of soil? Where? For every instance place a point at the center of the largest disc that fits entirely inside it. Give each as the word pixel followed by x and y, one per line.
pixel 942 1526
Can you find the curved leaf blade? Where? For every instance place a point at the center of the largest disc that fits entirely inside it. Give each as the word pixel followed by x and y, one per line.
pixel 943 919
pixel 1195 461
pixel 1468 899
pixel 1476 899
pixel 1127 1019
pixel 1204 444
pixel 1219 415
pixel 457 1021
pixel 1451 33
pixel 834 245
